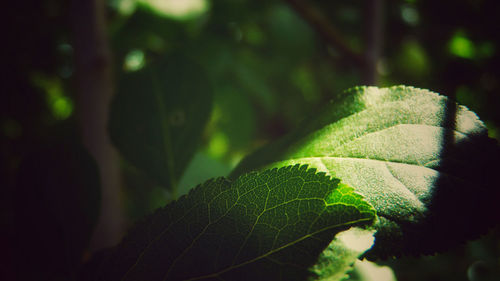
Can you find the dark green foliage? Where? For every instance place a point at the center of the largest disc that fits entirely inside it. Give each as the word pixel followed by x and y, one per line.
pixel 270 225
pixel 158 115
pixel 269 68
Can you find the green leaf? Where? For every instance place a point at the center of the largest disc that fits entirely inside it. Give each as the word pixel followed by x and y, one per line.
pixel 424 162
pixel 158 115
pixel 271 225
pixel 364 270
pixel 337 259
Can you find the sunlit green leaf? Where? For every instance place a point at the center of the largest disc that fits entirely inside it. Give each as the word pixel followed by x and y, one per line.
pixel 271 225
pixel 337 259
pixel 416 156
pixel 364 270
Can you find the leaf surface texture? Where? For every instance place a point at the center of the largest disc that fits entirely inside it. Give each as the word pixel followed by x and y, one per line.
pixel 269 225
pixel 424 162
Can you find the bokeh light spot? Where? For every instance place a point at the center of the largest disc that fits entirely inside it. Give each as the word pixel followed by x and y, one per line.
pixel 218 145
pixel 178 9
pixel 134 60
pixel 410 15
pixel 62 107
pixel 461 46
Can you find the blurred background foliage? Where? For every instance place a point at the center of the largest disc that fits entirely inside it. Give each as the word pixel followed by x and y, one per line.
pixel 268 68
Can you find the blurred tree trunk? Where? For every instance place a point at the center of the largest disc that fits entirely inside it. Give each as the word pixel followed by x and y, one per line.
pixel 94 88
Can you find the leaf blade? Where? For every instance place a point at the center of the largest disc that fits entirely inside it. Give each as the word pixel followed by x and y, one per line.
pixel 158 115
pixel 412 153
pixel 263 225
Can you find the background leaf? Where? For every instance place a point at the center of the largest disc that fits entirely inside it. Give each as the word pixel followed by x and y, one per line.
pixel 270 225
pixel 425 163
pixel 158 115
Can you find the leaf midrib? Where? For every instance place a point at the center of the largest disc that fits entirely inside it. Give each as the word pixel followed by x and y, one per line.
pixel 298 160
pixel 280 248
pixel 186 250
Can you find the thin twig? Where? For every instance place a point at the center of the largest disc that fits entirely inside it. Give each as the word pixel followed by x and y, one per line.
pixel 325 29
pixel 373 40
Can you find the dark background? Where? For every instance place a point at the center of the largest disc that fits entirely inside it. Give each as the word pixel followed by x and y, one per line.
pixel 269 63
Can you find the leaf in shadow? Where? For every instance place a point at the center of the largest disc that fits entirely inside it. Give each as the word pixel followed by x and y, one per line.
pixel 158 115
pixel 270 225
pixel 56 205
pixel 424 163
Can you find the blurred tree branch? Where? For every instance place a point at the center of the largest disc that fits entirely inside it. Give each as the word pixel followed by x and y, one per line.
pixel 373 37
pixel 325 29
pixel 94 88
pixel 366 62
